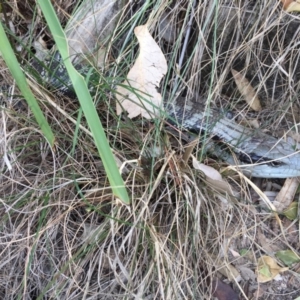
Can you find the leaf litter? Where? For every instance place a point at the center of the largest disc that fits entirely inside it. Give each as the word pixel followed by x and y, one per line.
pixel 190 216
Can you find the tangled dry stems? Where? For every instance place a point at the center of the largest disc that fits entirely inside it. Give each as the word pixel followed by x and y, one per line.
pixel 62 232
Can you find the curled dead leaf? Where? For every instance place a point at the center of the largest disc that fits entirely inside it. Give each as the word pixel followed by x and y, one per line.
pixel 214 177
pixel 230 272
pixel 267 269
pixel 287 194
pixel 291 5
pixel 138 93
pixel 286 3
pixel 246 90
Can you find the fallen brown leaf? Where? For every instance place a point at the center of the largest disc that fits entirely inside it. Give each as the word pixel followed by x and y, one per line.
pixel 291 5
pixel 213 177
pixel 246 90
pixel 287 194
pixel 223 291
pixel 286 3
pixel 138 93
pixel 267 269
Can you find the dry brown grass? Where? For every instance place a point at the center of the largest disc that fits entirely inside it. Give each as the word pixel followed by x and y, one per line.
pixel 63 236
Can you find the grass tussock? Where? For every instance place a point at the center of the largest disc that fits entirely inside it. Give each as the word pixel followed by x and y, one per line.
pixel 63 234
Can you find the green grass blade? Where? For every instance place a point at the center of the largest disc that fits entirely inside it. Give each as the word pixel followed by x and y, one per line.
pixel 86 102
pixel 14 67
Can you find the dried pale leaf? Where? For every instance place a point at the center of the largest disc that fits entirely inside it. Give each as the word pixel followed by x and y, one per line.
pixel 143 79
pixel 287 194
pixel 290 5
pixel 213 177
pixel 286 3
pixel 91 24
pixel 267 269
pixel 230 272
pixel 234 253
pixel 246 90
pixel 189 149
pixel 207 170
